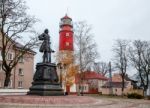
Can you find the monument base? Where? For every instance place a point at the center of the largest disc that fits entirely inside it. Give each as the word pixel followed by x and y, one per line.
pixel 45 89
pixel 45 81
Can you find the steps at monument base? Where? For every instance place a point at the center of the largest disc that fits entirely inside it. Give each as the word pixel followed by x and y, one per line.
pixel 46 93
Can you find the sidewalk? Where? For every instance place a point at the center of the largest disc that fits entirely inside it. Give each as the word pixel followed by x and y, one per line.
pixel 69 102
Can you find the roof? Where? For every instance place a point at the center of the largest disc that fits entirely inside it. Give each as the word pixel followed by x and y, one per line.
pixel 90 75
pixel 94 75
pixel 118 75
pixel 18 45
pixel 66 17
pixel 114 84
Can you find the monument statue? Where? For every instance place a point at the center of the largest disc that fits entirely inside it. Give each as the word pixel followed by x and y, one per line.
pixel 45 80
pixel 45 47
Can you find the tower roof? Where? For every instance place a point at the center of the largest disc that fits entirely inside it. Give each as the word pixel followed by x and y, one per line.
pixel 66 17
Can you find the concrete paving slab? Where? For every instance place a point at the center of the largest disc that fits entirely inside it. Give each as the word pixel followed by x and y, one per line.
pixel 69 102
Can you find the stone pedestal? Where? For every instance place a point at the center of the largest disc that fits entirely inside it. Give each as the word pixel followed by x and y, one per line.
pixel 45 81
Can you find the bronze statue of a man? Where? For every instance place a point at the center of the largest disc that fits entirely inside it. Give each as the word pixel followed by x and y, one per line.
pixel 45 47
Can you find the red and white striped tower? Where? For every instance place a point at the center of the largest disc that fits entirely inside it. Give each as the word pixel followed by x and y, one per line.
pixel 65 55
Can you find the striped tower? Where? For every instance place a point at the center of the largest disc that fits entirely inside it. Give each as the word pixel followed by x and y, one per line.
pixel 65 55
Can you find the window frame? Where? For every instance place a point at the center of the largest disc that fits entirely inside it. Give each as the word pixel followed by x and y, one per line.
pixel 21 59
pixel 67 43
pixel 10 84
pixel 20 73
pixel 67 34
pixel 20 84
pixel 1 66
pixel 0 55
pixel 1 84
pixel 10 56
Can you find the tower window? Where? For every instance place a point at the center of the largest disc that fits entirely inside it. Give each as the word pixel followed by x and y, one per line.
pixel 67 43
pixel 67 34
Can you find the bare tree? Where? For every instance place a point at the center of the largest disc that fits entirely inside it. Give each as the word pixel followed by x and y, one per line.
pixel 14 22
pixel 101 67
pixel 121 59
pixel 85 46
pixel 140 59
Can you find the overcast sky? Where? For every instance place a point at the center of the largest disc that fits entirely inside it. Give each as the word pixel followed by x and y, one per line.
pixel 110 19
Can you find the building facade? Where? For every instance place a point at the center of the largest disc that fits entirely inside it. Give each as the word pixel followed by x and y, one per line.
pixel 115 86
pixel 22 73
pixel 92 82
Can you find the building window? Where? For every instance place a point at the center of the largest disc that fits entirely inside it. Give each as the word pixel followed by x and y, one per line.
pixel 0 55
pixel 20 71
pixel 84 87
pixel 20 84
pixel 67 34
pixel 9 56
pixel 21 60
pixel 0 66
pixel 10 84
pixel 0 83
pixel 67 43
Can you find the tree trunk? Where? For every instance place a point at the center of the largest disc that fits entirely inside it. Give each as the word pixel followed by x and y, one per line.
pixel 79 86
pixel 145 92
pixel 123 85
pixel 7 80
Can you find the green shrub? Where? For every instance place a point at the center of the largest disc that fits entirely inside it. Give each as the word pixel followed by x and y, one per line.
pixel 134 96
pixel 148 97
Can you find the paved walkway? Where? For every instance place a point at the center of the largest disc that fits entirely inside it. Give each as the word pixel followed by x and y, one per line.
pixel 69 102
